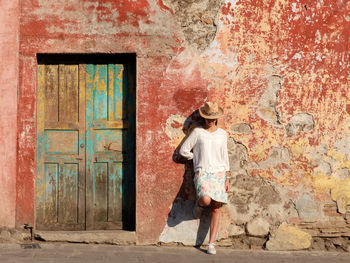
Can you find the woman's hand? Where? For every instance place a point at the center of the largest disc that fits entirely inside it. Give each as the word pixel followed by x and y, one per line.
pixel 227 186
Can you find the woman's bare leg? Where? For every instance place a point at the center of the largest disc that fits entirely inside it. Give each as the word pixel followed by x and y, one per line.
pixel 204 201
pixel 214 222
pixel 215 215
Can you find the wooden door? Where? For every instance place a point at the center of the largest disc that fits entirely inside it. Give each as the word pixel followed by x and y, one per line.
pixel 105 152
pixel 60 181
pixel 84 146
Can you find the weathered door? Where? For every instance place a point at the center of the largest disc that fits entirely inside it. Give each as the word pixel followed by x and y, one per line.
pixel 60 148
pixel 83 146
pixel 104 149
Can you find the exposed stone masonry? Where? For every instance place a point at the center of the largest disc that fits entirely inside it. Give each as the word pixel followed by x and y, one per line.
pixel 197 19
pixel 301 122
pixel 267 109
pixel 255 206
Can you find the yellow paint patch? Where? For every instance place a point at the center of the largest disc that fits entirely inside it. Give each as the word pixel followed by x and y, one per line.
pixel 297 150
pixel 336 155
pixel 346 164
pixel 260 152
pixel 341 194
pixel 322 182
pixel 298 147
pixel 120 74
pixel 340 189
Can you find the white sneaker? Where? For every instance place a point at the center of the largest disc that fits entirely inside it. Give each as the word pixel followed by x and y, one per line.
pixel 211 249
pixel 197 210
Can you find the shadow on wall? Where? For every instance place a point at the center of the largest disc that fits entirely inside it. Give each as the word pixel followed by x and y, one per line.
pixel 181 226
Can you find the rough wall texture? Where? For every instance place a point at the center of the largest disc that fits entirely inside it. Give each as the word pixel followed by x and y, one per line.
pixel 279 69
pixel 9 25
pixel 197 20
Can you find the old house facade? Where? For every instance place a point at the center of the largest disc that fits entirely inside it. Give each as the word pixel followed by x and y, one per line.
pixel 97 95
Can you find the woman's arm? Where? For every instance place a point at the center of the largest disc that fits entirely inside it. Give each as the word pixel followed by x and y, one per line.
pixel 225 153
pixel 227 166
pixel 187 146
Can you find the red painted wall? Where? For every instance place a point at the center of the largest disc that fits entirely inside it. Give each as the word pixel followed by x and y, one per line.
pixel 9 24
pixel 108 27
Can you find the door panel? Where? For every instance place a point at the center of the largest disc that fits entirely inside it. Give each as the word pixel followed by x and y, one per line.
pixel 68 193
pixel 60 150
pixel 49 206
pixel 105 128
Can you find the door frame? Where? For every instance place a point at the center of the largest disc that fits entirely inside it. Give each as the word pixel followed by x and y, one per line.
pixel 129 61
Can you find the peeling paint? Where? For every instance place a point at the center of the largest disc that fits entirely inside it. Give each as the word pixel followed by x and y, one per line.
pixel 188 52
pixel 174 128
pixel 267 109
pixel 197 21
pixel 300 122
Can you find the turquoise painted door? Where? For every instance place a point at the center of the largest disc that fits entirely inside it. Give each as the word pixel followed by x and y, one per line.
pixel 105 150
pixel 85 147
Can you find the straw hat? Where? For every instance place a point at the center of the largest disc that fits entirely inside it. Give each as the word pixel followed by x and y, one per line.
pixel 211 110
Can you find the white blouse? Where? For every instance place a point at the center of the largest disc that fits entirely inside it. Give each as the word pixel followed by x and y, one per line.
pixel 209 150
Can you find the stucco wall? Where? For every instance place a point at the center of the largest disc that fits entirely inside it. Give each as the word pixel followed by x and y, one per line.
pixel 280 71
pixel 140 27
pixel 9 22
pixel 278 68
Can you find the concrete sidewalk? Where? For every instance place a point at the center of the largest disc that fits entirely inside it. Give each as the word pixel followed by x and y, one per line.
pixel 70 252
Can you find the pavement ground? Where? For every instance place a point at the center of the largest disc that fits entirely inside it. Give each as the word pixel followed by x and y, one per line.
pixel 72 252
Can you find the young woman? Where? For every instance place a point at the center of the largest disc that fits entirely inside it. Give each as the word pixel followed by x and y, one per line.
pixel 207 146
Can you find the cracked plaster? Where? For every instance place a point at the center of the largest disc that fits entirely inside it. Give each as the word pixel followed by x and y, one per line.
pixel 267 108
pixel 197 20
pixel 312 160
pixel 237 55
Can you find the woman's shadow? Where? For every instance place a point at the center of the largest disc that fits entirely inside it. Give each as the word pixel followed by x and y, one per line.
pixel 183 204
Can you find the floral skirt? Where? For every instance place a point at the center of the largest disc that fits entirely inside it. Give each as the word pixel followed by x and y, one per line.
pixel 211 184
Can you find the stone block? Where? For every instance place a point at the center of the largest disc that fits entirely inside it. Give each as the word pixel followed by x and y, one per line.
pixel 258 227
pixel 235 230
pixel 113 237
pixel 224 243
pixel 307 208
pixel 289 238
